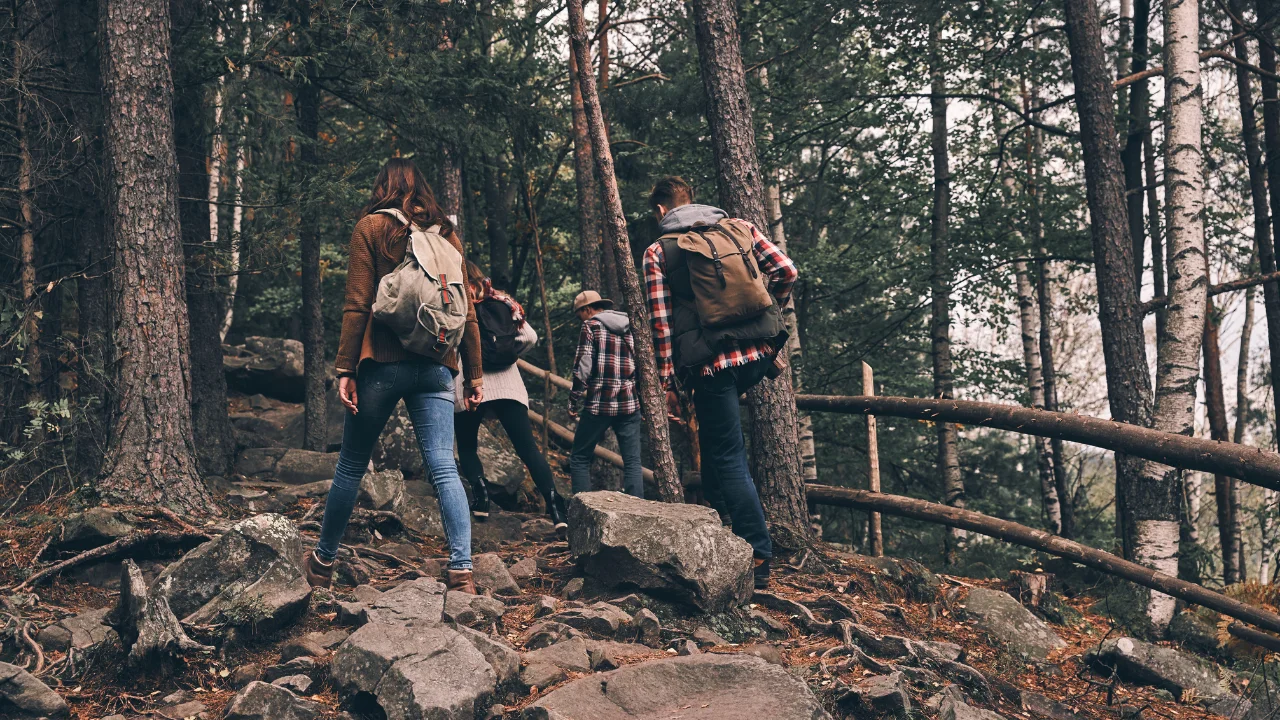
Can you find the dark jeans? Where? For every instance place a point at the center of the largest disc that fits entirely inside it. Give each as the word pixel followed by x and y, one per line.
pixel 427 390
pixel 726 479
pixel 590 432
pixel 515 420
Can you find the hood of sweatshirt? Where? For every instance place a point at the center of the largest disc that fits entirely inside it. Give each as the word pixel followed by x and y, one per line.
pixel 614 321
pixel 686 216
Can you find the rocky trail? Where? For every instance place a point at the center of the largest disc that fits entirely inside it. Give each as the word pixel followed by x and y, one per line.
pixel 643 610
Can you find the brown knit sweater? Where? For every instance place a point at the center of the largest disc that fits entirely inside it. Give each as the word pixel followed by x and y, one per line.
pixel 362 338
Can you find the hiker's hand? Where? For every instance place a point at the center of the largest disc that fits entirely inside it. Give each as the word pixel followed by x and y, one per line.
pixel 475 396
pixel 347 393
pixel 573 413
pixel 673 408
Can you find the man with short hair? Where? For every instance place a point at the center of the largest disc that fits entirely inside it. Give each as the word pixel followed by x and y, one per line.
pixel 717 363
pixel 604 392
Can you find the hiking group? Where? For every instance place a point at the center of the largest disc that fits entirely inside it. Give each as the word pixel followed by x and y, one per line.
pixel 418 314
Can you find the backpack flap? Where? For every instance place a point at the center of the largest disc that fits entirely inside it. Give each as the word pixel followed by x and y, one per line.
pixel 728 286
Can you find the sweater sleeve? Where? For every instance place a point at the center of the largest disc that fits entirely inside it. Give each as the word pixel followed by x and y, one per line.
pixel 469 352
pixel 358 302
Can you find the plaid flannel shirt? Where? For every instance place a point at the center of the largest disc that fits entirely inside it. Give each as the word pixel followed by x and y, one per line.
pixel 604 372
pixel 774 263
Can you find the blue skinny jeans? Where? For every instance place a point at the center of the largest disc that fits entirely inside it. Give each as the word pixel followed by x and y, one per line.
pixel 426 387
pixel 590 432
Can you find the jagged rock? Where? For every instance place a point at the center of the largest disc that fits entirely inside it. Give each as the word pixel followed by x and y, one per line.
pixel 258 462
pixel 953 707
pixel 769 653
pixel 1005 619
pixel 423 517
pixel 686 647
pixel 398 446
pixel 299 684
pixel 367 594
pixel 383 490
pixel 938 649
pixel 919 582
pixel 491 574
pixel 674 550
pixel 415 672
pixel 404 551
pixel 547 633
pixel 501 527
pixel 1231 707
pixel 189 709
pixel 570 654
pixel 879 695
pixel 301 647
pixel 573 589
pixel 768 625
pixel 298 666
pixel 538 529
pixel 546 605
pixel 706 637
pixel 650 629
pixel 503 658
pixel 608 655
pixel 261 701
pixel 269 366
pixel 1161 667
pixel 502 466
pixel 302 467
pixel 730 687
pixel 601 619
pixel 353 572
pixel 84 632
pixel 245 674
pixel 247 577
pixel 147 627
pixel 1194 632
pixel 327 640
pixel 541 675
pixel 92 528
pixel 524 569
pixel 32 698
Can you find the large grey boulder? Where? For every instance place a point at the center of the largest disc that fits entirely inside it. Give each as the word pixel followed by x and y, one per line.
pixel 383 490
pixel 954 707
pixel 680 552
pixel 1006 620
pixel 415 672
pixel 270 366
pixel 23 696
pixel 84 632
pixel 546 666
pixel 1146 664
pixel 263 701
pixel 879 696
pixel 492 574
pixel 300 467
pixel 92 528
pixel 713 687
pixel 248 576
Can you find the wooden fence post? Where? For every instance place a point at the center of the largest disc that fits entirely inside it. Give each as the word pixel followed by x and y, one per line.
pixel 873 465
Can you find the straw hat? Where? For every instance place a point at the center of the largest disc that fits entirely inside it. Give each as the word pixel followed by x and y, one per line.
pixel 588 298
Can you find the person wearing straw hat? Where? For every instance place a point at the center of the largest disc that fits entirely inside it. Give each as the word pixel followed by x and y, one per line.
pixel 604 391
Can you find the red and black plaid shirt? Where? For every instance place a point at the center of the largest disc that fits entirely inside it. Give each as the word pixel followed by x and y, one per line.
pixel 774 263
pixel 604 372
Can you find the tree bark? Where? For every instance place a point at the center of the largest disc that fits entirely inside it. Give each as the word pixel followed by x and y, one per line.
pixel 1139 129
pixel 1123 344
pixel 210 423
pixel 652 394
pixel 1223 486
pixel 1242 412
pixel 242 162
pixel 27 237
pixel 940 291
pixel 1043 541
pixel 588 190
pixel 496 214
pixel 451 187
pixel 1250 464
pixel 151 455
pixel 315 433
pixel 775 450
pixel 1029 324
pixel 1263 178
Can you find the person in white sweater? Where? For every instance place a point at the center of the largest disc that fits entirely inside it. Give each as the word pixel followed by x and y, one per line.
pixel 504 336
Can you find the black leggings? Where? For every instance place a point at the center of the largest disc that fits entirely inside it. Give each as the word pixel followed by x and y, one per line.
pixel 515 420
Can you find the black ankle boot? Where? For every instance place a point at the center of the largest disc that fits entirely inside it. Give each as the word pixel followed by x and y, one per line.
pixel 556 509
pixel 480 498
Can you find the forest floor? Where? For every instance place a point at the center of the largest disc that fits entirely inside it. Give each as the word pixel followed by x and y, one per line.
pixel 100 686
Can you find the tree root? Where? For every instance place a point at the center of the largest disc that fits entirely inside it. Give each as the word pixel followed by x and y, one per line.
pixel 125 544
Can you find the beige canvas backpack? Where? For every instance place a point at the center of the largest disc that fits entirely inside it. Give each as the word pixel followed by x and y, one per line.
pixel 424 300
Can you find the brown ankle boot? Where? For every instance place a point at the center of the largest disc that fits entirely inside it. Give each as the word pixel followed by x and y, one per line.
pixel 461 581
pixel 317 573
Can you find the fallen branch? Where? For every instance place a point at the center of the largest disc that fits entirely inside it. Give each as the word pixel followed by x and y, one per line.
pixel 123 545
pixel 1045 542
pixel 1249 635
pixel 1250 464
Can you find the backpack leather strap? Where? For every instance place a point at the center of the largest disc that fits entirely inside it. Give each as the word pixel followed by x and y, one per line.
pixel 715 254
pixel 750 268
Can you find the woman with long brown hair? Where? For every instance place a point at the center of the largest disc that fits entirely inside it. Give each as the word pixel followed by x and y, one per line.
pixel 372 360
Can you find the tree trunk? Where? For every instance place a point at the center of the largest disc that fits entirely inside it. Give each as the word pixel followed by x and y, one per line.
pixel 496 209
pixel 1223 486
pixel 1260 178
pixel 1139 129
pixel 1029 323
pixel 775 449
pixel 588 190
pixel 27 241
pixel 1123 344
pixel 1179 348
pixel 210 424
pixel 315 433
pixel 940 291
pixel 242 162
pixel 1242 412
pixel 604 44
pixel 652 395
pixel 151 455
pixel 451 187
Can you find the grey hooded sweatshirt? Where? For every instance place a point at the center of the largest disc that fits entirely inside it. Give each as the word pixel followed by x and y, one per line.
pixel 686 216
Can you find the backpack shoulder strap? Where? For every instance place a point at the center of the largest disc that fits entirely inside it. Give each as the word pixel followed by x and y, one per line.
pixel 395 213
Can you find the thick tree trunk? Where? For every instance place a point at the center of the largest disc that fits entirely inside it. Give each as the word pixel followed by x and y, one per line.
pixel 1029 323
pixel 1043 541
pixel 1139 128
pixel 27 237
pixel 652 394
pixel 1224 487
pixel 775 449
pixel 210 424
pixel 940 291
pixel 313 355
pixel 1179 347
pixel 151 455
pixel 1242 412
pixel 242 162
pixel 1123 344
pixel 588 190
